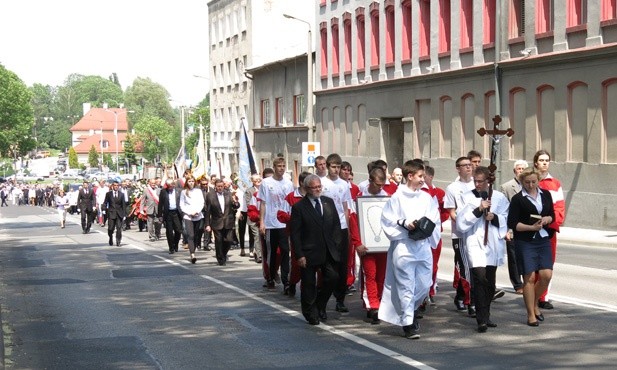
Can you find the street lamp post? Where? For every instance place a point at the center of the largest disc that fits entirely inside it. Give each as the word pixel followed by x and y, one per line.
pixel 309 76
pixel 116 134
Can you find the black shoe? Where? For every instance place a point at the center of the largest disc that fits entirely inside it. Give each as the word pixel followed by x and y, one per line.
pixel 540 317
pixel 545 305
pixel 292 290
pixel 431 301
pixel 207 248
pixel 84 232
pixel 117 242
pixel 193 260
pixel 258 260
pixel 482 328
pixel 313 321
pixel 498 294
pixel 418 314
pixel 373 314
pixel 171 251
pixel 243 253
pixel 460 306
pixel 412 331
pixel 350 290
pixel 270 284
pixel 491 324
pixel 286 289
pixel 340 307
pixel 323 315
pixel 535 323
pixel 111 242
pixel 471 311
pixel 176 249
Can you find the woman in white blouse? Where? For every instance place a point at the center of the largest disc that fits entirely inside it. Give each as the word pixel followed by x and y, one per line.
pixel 62 204
pixel 191 205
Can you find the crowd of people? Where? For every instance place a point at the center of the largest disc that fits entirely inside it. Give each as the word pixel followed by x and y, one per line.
pixel 311 234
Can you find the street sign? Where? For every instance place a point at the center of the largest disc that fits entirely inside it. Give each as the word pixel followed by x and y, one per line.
pixel 310 150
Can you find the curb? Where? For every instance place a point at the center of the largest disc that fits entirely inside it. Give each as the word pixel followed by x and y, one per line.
pixel 1 341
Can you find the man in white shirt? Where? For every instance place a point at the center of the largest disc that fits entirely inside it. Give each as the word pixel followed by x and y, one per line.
pixel 453 200
pixel 271 195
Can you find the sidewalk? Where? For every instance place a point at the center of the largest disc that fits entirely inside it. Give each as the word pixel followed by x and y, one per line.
pixel 589 237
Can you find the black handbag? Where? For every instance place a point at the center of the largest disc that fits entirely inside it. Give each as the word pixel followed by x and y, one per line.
pixel 424 228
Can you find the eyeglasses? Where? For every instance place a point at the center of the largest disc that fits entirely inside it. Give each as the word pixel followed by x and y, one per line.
pixel 464 165
pixel 315 187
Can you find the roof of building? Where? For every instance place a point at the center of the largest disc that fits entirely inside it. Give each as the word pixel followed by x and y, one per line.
pixel 105 119
pixel 88 142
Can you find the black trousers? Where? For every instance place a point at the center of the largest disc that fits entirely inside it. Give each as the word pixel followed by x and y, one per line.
pixel 341 287
pixel 277 239
pixel 173 229
pixel 483 291
pixel 87 217
pixel 515 276
pixel 313 299
pixel 221 246
pixel 242 231
pixel 115 224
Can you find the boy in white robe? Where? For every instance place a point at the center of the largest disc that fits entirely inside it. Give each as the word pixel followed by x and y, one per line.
pixel 471 221
pixel 410 262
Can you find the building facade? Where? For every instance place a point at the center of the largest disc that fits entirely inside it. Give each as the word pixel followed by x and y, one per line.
pixel 244 35
pixel 403 79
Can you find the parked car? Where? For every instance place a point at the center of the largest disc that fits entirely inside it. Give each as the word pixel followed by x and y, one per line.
pixel 97 176
pixel 70 175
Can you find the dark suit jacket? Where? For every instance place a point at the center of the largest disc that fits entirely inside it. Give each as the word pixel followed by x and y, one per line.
pixel 313 236
pixel 215 217
pixel 164 201
pixel 86 201
pixel 115 206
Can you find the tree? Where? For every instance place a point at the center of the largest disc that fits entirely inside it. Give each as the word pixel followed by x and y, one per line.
pixel 146 97
pixel 73 160
pixel 93 157
pixel 155 134
pixel 129 150
pixel 16 118
pixel 108 160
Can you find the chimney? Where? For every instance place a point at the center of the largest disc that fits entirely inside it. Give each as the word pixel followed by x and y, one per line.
pixel 105 106
pixel 87 107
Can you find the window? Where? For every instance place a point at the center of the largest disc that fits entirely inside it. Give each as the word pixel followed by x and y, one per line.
pixel 576 12
pixel 335 46
pixel 609 9
pixel 517 18
pixel 265 113
pixel 444 26
pixel 360 42
pixel 488 18
pixel 544 16
pixel 347 32
pixel 279 111
pixel 406 5
pixel 374 34
pixel 390 34
pixel 425 27
pixel 466 23
pixel 324 49
pixel 299 109
pixel 104 144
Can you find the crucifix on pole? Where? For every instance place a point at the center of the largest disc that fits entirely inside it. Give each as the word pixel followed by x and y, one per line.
pixel 495 135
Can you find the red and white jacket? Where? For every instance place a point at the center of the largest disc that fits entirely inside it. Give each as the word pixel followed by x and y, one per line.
pixel 552 185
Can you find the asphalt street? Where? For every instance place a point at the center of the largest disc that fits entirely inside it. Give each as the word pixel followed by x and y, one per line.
pixel 71 301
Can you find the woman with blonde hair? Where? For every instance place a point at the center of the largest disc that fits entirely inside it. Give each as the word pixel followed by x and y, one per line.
pixel 191 206
pixel 530 217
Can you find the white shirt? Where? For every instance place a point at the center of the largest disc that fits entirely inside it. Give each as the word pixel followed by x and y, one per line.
pixel 338 190
pixel 272 194
pixel 454 199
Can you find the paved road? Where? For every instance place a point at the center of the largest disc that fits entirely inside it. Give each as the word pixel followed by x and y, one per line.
pixel 71 301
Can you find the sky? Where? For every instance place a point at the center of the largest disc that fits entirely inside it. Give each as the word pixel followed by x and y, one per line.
pixel 44 41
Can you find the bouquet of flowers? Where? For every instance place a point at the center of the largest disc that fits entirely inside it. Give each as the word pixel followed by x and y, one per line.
pixel 138 191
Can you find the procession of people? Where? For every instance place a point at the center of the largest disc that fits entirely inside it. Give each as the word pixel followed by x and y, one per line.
pixel 316 234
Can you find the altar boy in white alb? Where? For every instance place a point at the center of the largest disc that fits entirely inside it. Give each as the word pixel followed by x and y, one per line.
pixel 410 262
pixel 471 221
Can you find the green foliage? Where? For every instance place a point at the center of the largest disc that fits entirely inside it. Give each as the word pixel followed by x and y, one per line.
pixel 155 134
pixel 73 160
pixel 129 150
pixel 148 98
pixel 16 120
pixel 108 161
pixel 93 157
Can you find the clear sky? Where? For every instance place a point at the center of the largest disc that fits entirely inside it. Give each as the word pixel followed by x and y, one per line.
pixel 44 41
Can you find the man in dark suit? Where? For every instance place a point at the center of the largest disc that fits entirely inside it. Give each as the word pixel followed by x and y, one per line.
pixel 169 200
pixel 115 207
pixel 315 230
pixel 87 206
pixel 220 219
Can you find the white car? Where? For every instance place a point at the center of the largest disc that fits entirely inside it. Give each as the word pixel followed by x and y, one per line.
pixel 72 176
